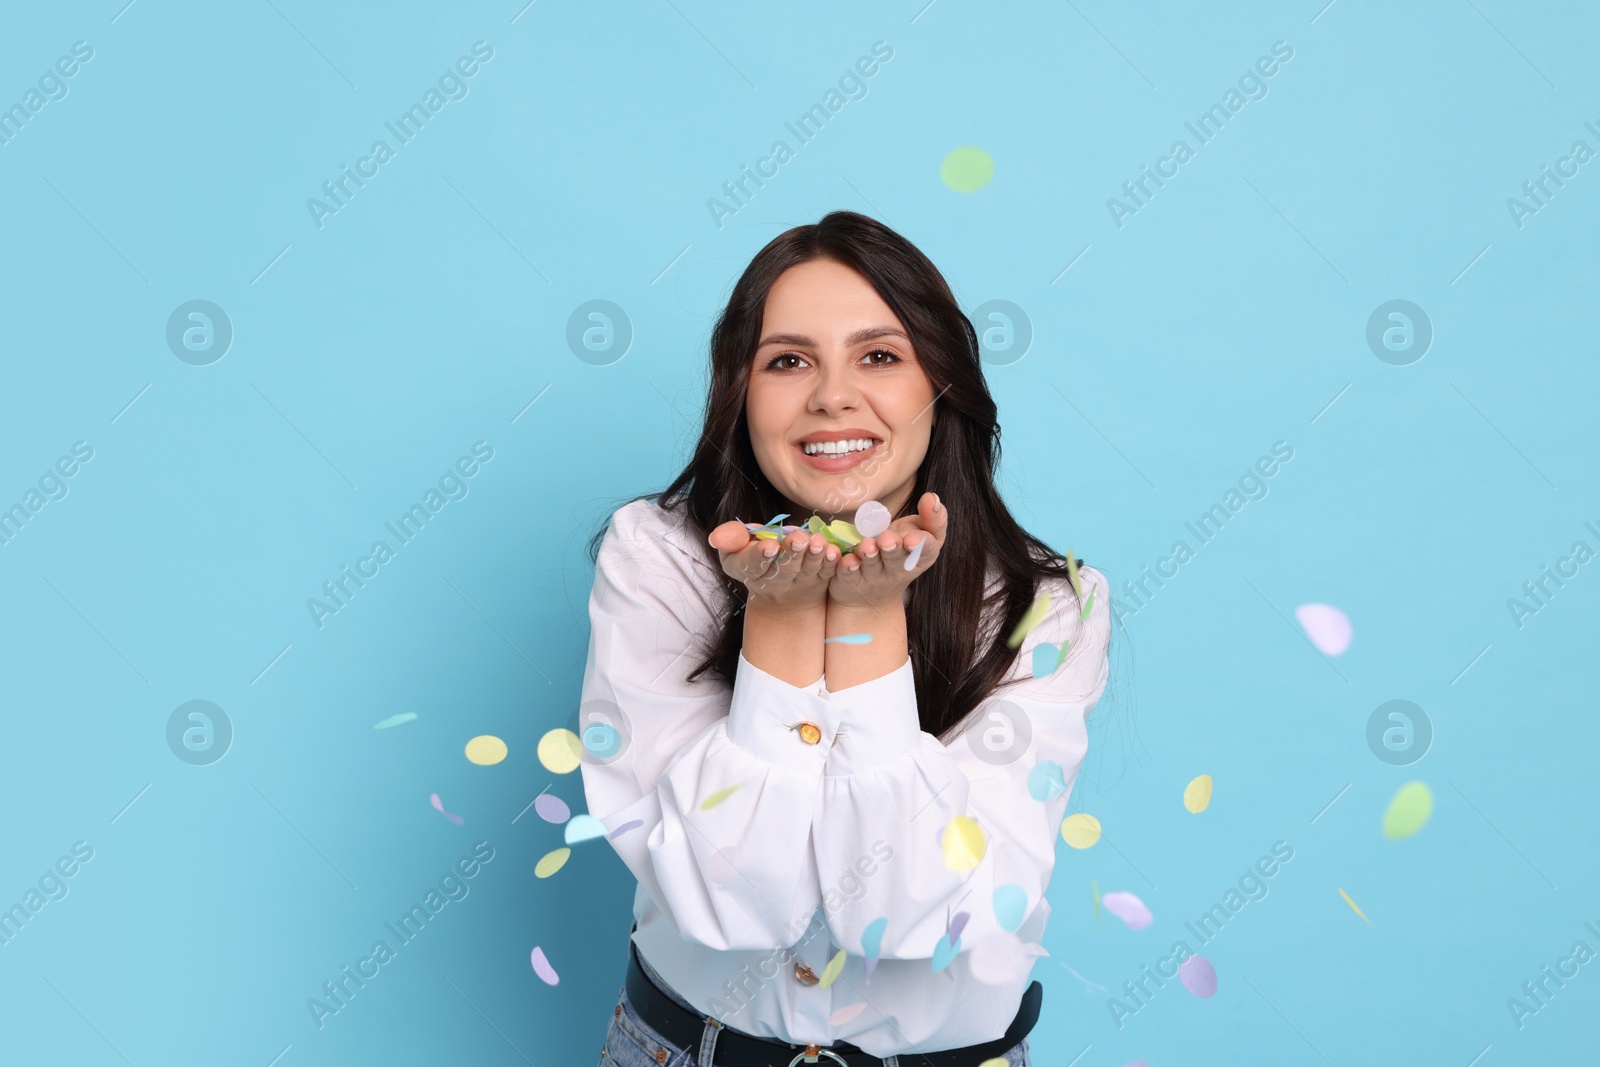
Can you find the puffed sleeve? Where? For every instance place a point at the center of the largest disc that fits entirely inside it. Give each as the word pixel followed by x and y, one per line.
pixel 890 789
pixel 741 874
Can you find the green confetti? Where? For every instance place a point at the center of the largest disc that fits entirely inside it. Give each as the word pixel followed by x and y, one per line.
pixel 1031 618
pixel 1088 606
pixel 1408 811
pixel 395 720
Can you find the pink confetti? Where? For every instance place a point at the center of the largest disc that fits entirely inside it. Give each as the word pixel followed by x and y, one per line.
pixel 631 824
pixel 439 806
pixel 551 808
pixel 542 968
pixel 1198 976
pixel 1127 907
pixel 1327 626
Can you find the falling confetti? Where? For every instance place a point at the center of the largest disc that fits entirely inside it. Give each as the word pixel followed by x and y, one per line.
pixel 631 824
pixel 1096 886
pixel 1072 574
pixel 944 952
pixel 994 1061
pixel 486 750
pixel 583 828
pixel 916 554
pixel 1046 780
pixel 1088 606
pixel 1080 830
pixel 1408 811
pixel 957 923
pixel 966 169
pixel 560 751
pixel 963 842
pixel 542 968
pixel 1197 794
pixel 872 937
pixel 849 639
pixel 394 720
pixel 1129 908
pixel 872 519
pixel 848 1012
pixel 1048 658
pixel 1353 907
pixel 719 796
pixel 439 807
pixel 1198 976
pixel 551 808
pixel 551 862
pixel 1010 906
pixel 1030 618
pixel 1327 626
pixel 831 971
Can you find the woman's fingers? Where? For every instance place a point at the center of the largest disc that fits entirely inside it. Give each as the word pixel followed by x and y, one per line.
pixel 731 536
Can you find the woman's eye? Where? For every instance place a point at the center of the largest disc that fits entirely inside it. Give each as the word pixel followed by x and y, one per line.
pixel 884 352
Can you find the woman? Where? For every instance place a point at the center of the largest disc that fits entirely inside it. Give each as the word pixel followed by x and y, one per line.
pixel 783 797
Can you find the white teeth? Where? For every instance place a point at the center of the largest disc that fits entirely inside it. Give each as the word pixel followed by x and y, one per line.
pixel 838 448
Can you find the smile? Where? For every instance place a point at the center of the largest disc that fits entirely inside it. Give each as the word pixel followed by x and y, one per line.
pixel 832 462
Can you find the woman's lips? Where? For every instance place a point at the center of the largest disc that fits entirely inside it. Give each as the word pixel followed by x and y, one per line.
pixel 834 464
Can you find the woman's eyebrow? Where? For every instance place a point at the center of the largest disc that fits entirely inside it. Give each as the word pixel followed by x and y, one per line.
pixel 867 334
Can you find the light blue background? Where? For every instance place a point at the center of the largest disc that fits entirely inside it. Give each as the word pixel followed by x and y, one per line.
pixel 369 354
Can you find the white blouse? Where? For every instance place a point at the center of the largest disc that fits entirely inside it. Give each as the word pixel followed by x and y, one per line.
pixel 816 841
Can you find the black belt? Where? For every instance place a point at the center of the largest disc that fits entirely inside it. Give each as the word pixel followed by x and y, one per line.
pixel 735 1049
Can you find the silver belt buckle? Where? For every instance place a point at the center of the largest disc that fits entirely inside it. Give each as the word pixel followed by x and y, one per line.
pixel 812 1054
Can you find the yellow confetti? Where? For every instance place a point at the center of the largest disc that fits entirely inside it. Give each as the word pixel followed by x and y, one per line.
pixel 486 750
pixel 994 1061
pixel 1352 904
pixel 1197 794
pixel 831 971
pixel 560 750
pixel 1408 811
pixel 1096 887
pixel 1080 830
pixel 718 797
pixel 1072 573
pixel 1030 618
pixel 963 842
pixel 551 862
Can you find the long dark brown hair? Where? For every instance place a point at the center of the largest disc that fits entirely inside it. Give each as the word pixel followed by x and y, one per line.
pixel 956 660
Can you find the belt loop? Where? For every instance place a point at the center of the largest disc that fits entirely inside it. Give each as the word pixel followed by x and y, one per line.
pixel 708 1043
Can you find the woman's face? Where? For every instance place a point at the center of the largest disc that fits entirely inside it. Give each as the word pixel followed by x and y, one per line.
pixel 834 364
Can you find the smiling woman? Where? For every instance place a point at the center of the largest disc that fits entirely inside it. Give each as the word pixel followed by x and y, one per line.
pixel 766 758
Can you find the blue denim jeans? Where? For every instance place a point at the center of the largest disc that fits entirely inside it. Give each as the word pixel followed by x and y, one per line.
pixel 631 1042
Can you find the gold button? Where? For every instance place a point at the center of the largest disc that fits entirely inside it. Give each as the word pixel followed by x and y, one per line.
pixel 809 733
pixel 804 975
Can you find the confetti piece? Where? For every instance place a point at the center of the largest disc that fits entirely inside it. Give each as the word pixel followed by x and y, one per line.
pixel 1197 794
pixel 602 739
pixel 848 1012
pixel 583 828
pixel 916 554
pixel 394 720
pixel 1096 886
pixel 872 519
pixel 871 963
pixel 957 924
pixel 966 169
pixel 1010 906
pixel 1129 908
pixel 718 797
pixel 551 808
pixel 944 952
pixel 439 807
pixel 1030 618
pixel 1408 811
pixel 631 824
pixel 872 937
pixel 839 533
pixel 1088 606
pixel 1198 976
pixel 542 968
pixel 850 639
pixel 551 862
pixel 1046 780
pixel 1327 626
pixel 560 751
pixel 994 1061
pixel 486 750
pixel 998 958
pixel 1062 656
pixel 1072 574
pixel 1353 907
pixel 831 971
pixel 963 843
pixel 1046 658
pixel 1080 830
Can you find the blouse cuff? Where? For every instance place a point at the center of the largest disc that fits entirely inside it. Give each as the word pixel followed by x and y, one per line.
pixel 767 717
pixel 878 722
